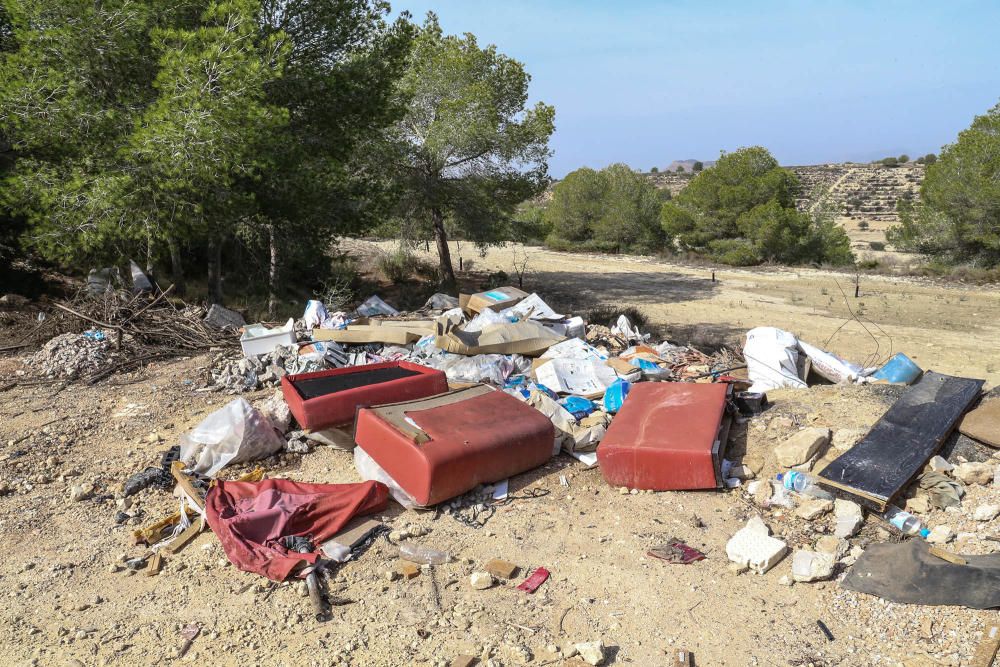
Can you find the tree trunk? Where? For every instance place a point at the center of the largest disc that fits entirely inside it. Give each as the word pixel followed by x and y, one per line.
pixel 445 270
pixel 214 270
pixel 272 275
pixel 149 255
pixel 176 266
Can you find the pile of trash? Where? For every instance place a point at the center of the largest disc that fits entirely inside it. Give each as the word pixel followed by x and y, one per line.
pixel 70 355
pixel 439 408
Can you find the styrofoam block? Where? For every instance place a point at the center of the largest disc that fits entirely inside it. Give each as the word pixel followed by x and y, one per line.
pixel 756 550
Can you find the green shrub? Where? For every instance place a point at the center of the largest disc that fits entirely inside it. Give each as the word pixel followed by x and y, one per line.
pixel 876 245
pixel 734 252
pixel 397 266
pixel 608 315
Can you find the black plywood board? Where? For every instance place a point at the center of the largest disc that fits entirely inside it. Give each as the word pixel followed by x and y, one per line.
pixel 329 384
pixel 901 443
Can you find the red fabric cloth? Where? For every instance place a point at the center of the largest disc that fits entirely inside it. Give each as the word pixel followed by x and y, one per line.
pixel 251 518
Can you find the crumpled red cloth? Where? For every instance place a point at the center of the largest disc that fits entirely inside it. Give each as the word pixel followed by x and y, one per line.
pixel 251 518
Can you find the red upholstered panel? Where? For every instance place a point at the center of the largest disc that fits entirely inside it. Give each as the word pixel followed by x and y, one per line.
pixel 663 437
pixel 473 441
pixel 338 408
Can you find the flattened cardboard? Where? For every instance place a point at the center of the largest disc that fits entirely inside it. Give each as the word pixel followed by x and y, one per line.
pixel 368 333
pixel 526 337
pixel 983 423
pixel 494 299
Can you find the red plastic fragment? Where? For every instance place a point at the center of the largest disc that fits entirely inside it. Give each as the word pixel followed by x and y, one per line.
pixel 536 579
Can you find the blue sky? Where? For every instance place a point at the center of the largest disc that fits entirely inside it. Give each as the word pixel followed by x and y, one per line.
pixel 648 82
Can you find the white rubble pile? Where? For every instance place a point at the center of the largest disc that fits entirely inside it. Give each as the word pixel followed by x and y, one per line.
pixel 71 355
pixel 242 374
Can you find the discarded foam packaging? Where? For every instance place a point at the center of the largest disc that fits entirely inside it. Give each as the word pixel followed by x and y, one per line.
pixel 772 359
pixel 526 337
pixel 234 433
pixel 580 377
pixel 755 549
pixel 373 306
pixel 258 339
pixel 830 366
pixel 494 299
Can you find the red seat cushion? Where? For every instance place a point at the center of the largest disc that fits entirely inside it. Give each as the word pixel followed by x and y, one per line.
pixel 331 398
pixel 465 438
pixel 667 436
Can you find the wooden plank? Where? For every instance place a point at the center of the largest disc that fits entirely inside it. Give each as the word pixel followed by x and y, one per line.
pixel 177 470
pixel 986 652
pixel 683 658
pixel 182 540
pixel 944 554
pixel 154 565
pixel 901 443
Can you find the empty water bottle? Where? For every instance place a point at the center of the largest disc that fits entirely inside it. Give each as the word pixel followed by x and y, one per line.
pixel 803 483
pixel 416 553
pixel 905 522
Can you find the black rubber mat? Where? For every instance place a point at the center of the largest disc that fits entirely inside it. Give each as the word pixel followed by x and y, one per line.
pixel 331 384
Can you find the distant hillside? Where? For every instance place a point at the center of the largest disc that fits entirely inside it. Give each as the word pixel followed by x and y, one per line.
pixel 689 164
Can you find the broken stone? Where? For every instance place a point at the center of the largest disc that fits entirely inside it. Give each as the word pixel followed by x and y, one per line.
pixel 812 565
pixel 591 652
pixel 918 505
pixel 756 524
pixel 940 464
pixel 761 492
pixel 974 473
pixel 501 568
pixel 480 581
pixel 79 492
pixel 846 438
pixel 813 508
pixel 835 546
pixel 755 549
pixel 849 518
pixel 986 512
pixel 801 447
pixel 941 534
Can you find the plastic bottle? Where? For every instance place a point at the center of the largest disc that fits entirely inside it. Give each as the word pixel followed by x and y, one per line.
pixel 416 553
pixel 803 483
pixel 905 522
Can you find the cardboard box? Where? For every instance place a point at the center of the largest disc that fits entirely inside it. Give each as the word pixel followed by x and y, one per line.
pixel 494 299
pixel 368 333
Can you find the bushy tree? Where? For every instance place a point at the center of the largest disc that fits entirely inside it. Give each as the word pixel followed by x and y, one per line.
pixel 903 159
pixel 697 167
pixel 890 162
pixel 654 170
pixel 930 158
pixel 742 211
pixel 613 209
pixel 468 149
pixel 958 216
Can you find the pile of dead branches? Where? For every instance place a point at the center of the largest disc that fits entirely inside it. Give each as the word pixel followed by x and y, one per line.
pixel 145 327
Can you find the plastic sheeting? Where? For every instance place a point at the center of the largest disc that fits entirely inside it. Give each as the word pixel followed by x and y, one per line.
pixel 772 357
pixel 234 433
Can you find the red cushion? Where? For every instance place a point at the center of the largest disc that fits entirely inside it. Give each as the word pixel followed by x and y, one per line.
pixel 339 407
pixel 667 436
pixel 477 440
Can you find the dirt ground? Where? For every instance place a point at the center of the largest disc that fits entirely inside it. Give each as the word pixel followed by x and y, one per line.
pixel 71 601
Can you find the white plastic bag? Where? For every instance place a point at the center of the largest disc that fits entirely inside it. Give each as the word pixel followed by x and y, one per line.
pixel 772 356
pixel 232 434
pixel 485 319
pixel 315 314
pixel 372 471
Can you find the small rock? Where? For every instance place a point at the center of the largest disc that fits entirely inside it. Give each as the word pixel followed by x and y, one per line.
pixel 79 492
pixel 813 508
pixel 739 568
pixel 812 565
pixel 480 581
pixel 761 491
pixel 939 464
pixel 786 580
pixel 801 447
pixel 974 473
pixel 591 652
pixel 918 505
pixel 834 546
pixel 986 512
pixel 501 569
pixel 392 575
pixel 941 534
pixel 849 518
pixel 846 438
pixel 623 491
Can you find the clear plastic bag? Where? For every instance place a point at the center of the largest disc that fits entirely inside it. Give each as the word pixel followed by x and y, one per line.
pixel 232 434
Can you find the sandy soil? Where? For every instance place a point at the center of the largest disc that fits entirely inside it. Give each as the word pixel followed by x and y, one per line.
pixel 70 601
